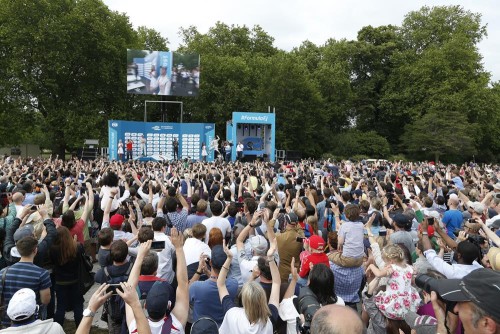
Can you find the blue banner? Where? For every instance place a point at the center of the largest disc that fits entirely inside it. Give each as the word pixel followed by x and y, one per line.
pixel 153 139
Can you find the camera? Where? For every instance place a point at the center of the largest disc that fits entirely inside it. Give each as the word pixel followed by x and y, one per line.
pixel 430 221
pixel 428 284
pixel 329 202
pixel 300 239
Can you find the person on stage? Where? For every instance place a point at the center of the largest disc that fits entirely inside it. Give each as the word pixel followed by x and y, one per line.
pixel 143 146
pixel 239 151
pixel 175 147
pixel 130 144
pixel 120 150
pixel 204 152
pixel 214 146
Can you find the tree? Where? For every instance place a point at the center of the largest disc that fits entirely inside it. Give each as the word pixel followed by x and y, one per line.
pixel 435 136
pixel 66 66
pixel 438 72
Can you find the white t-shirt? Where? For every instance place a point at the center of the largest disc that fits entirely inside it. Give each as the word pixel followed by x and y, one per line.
pixel 156 326
pixel 236 322
pixel 218 222
pixel 193 249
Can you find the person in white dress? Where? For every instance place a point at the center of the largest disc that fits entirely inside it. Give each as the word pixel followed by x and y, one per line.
pixel 120 150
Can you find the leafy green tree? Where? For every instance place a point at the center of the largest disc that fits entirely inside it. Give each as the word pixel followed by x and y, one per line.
pixel 438 72
pixel 67 65
pixel 435 135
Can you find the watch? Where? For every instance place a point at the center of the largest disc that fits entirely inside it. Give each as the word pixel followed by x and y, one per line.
pixel 88 313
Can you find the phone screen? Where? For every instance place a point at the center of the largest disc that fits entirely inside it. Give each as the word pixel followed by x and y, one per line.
pixel 158 245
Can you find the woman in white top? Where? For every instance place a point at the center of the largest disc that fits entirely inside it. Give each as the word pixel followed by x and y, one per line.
pixel 120 150
pixel 256 315
pixel 204 152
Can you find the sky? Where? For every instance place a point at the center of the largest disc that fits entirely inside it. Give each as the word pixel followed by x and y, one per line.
pixel 293 21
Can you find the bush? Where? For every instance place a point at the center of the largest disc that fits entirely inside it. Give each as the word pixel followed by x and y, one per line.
pixel 356 143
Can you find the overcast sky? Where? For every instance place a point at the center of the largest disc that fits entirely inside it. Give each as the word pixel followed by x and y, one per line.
pixel 293 21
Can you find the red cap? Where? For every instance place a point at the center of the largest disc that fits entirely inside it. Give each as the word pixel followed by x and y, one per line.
pixel 316 242
pixel 116 220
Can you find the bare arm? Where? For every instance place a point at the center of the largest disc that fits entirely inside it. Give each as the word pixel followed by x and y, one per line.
pixel 181 308
pixel 221 280
pixel 274 298
pixel 45 296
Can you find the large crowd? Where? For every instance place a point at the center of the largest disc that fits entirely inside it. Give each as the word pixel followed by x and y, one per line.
pixel 233 247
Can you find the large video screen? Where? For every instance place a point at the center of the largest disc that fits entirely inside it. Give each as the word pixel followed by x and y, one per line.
pixel 163 73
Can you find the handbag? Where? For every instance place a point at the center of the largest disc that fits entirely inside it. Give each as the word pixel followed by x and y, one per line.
pixel 85 274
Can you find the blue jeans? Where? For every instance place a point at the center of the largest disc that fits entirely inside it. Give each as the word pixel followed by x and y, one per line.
pixel 68 295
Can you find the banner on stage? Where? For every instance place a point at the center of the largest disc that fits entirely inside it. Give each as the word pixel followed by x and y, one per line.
pixel 156 140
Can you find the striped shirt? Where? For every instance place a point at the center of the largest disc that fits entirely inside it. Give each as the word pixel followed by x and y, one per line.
pixel 24 275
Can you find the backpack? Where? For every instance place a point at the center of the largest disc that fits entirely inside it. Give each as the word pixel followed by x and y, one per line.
pixel 115 305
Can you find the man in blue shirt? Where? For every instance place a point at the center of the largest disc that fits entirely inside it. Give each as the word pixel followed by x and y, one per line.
pixel 452 218
pixel 25 274
pixel 204 296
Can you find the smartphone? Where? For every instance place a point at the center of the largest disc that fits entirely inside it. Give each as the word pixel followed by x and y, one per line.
pixel 300 239
pixel 282 210
pixel 406 200
pixel 34 208
pixel 113 287
pixel 430 220
pixel 158 245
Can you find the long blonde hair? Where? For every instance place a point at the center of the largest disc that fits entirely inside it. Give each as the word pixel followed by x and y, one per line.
pixel 254 300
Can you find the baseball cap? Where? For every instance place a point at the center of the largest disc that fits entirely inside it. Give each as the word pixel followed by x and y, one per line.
pixel 293 218
pixel 25 231
pixel 478 207
pixel 495 224
pixel 22 305
pixel 316 242
pixel 401 220
pixel 422 324
pixel 116 220
pixel 205 325
pixel 218 257
pixel 159 299
pixel 258 243
pixel 480 287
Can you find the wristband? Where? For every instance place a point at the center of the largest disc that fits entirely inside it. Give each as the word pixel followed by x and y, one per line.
pixel 225 268
pixel 111 197
pixel 425 233
pixel 196 272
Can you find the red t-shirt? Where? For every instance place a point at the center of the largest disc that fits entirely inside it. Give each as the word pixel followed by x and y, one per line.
pixel 76 230
pixel 314 258
pixel 129 146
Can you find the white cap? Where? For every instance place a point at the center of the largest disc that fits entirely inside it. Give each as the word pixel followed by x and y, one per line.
pixel 259 244
pixel 22 305
pixel 478 207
